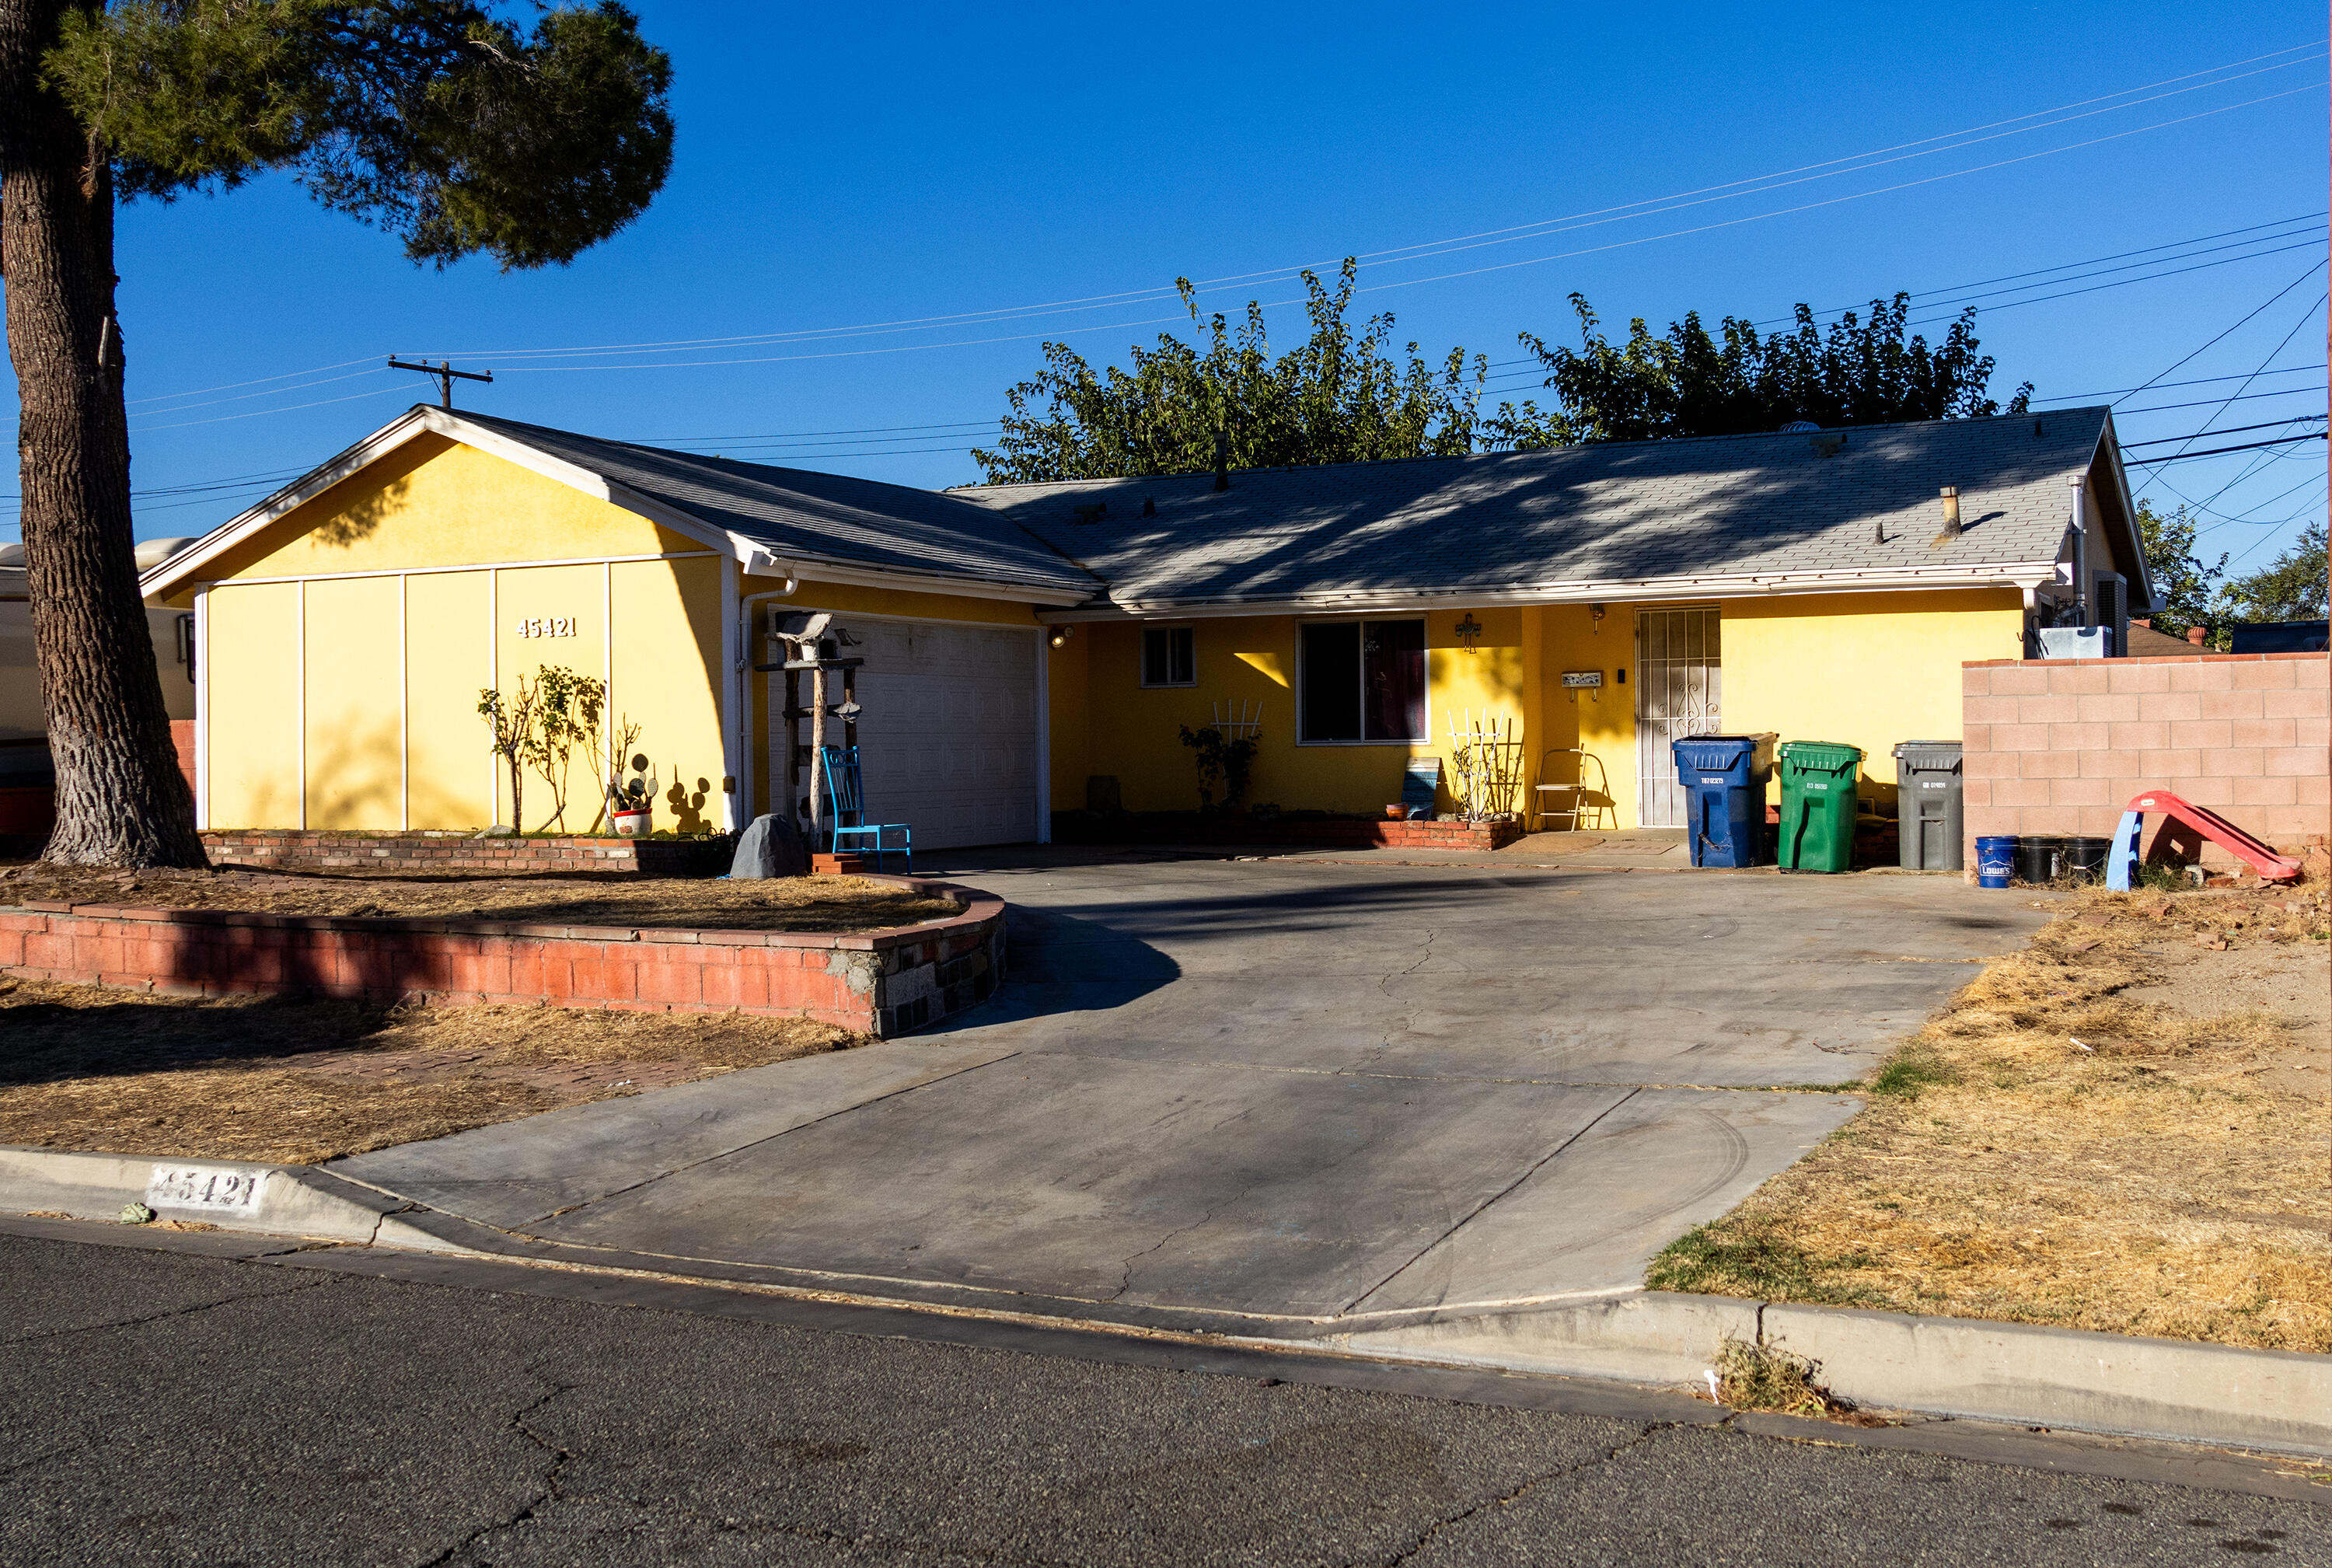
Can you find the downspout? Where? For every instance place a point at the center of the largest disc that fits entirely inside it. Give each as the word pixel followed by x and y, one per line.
pixel 744 678
pixel 2081 486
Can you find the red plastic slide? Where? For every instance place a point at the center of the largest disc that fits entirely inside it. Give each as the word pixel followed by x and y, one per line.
pixel 2270 865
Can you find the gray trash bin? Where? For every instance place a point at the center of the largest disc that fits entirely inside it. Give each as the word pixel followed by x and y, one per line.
pixel 1928 805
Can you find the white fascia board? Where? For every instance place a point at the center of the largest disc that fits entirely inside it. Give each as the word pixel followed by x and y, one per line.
pixel 2013 574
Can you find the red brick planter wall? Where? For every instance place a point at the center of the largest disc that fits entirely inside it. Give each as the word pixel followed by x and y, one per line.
pixel 885 982
pixel 2060 745
pixel 316 850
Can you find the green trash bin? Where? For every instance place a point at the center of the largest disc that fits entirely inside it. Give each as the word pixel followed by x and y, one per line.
pixel 1818 780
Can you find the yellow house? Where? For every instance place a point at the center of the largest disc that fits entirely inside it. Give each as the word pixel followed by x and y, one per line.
pixel 1591 603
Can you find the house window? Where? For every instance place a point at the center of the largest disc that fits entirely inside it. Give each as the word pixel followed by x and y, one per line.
pixel 1170 657
pixel 1363 681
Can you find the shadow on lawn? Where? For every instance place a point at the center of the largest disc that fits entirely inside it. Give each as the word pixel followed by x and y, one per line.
pixel 51 1041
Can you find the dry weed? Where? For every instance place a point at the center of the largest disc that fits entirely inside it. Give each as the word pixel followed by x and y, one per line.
pixel 296 1080
pixel 2050 1150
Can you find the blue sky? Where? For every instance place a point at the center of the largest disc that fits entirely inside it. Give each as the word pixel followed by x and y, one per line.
pixel 841 170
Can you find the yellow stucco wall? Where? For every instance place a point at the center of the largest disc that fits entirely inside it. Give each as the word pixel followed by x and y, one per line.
pixel 431 506
pixel 253 705
pixel 1134 731
pixel 354 776
pixel 1869 670
pixel 449 641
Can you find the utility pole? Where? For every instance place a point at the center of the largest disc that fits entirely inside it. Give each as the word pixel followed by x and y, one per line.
pixel 445 376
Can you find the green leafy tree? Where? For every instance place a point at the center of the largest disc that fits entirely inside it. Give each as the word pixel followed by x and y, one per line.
pixel 568 709
pixel 2291 588
pixel 439 121
pixel 1862 371
pixel 2182 580
pixel 1336 397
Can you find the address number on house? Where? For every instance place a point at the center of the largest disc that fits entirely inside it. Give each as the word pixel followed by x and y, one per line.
pixel 547 626
pixel 204 1186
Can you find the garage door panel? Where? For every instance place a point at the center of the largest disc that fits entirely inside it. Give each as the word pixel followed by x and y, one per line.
pixel 948 742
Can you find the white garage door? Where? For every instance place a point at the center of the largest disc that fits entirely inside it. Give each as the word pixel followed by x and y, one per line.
pixel 948 742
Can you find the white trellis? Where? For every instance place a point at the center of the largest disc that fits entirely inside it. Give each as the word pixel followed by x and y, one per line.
pixel 1487 756
pixel 1247 726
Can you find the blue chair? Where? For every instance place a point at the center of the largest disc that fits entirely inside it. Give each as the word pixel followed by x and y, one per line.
pixel 845 811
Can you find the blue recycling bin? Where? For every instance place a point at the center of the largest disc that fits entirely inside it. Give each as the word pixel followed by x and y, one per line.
pixel 1725 779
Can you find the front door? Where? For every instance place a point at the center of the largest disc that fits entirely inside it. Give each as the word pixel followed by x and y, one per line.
pixel 1679 687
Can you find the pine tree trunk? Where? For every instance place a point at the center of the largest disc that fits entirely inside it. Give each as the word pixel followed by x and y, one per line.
pixel 120 797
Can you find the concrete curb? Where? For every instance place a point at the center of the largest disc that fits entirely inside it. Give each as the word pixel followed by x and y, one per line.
pixel 2118 1385
pixel 288 1200
pixel 2022 1374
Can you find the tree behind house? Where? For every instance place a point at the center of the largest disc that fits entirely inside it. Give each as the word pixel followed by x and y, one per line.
pixel 2291 588
pixel 1335 398
pixel 2182 581
pixel 1862 371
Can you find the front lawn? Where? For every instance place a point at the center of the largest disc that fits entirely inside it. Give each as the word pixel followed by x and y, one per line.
pixel 2122 1128
pixel 297 1080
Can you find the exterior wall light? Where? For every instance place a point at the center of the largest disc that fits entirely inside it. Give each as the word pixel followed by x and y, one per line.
pixel 1061 635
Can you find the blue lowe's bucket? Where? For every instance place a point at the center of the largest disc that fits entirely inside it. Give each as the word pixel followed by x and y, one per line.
pixel 1995 861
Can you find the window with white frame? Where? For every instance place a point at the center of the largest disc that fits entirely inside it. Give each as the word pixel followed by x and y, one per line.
pixel 1363 681
pixel 1170 657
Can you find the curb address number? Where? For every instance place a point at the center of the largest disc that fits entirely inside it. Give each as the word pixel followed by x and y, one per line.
pixel 205 1186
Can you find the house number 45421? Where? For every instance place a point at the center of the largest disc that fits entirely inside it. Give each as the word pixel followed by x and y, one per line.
pixel 547 626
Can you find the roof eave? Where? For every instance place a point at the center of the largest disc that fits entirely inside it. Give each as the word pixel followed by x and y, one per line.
pixel 2006 574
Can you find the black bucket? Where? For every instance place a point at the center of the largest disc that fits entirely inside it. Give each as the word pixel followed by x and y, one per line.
pixel 2040 858
pixel 2085 858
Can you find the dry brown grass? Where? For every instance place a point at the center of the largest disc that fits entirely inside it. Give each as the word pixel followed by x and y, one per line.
pixel 2170 1180
pixel 827 904
pixel 299 1080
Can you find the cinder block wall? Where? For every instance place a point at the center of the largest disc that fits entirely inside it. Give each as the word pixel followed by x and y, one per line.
pixel 2060 745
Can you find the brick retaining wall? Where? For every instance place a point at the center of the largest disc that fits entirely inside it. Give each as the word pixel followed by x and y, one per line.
pixel 318 850
pixel 882 982
pixel 2062 745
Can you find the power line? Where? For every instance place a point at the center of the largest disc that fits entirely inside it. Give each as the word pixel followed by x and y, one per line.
pixel 2231 430
pixel 2222 451
pixel 2263 304
pixel 1540 229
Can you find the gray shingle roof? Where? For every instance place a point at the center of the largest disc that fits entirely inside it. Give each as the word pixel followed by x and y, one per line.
pixel 1720 506
pixel 801 515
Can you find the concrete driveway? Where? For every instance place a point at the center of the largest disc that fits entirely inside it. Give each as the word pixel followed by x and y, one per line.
pixel 1286 1097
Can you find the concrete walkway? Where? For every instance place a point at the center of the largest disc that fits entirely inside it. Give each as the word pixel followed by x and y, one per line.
pixel 1272 1096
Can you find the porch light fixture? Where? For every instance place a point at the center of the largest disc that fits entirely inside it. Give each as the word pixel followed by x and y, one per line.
pixel 1469 631
pixel 1595 613
pixel 1061 635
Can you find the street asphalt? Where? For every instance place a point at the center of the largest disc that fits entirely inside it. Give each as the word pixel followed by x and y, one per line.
pixel 182 1399
pixel 1310 1096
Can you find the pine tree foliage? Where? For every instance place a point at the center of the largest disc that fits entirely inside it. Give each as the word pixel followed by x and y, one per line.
pixel 1335 398
pixel 1862 371
pixel 436 119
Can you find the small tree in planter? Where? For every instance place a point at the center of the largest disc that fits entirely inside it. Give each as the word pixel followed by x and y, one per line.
pixel 567 713
pixel 512 723
pixel 1223 765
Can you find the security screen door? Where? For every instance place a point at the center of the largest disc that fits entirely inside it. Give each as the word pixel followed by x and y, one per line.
pixel 1678 686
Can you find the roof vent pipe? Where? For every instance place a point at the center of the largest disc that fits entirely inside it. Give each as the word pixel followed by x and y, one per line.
pixel 1951 515
pixel 1222 458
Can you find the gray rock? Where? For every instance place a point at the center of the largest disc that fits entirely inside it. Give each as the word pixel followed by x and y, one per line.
pixel 499 830
pixel 771 848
